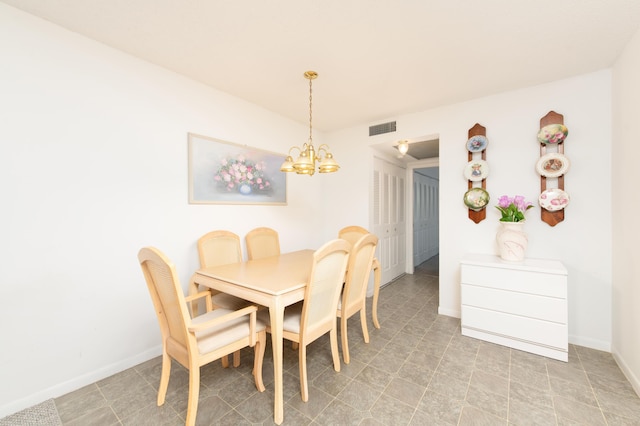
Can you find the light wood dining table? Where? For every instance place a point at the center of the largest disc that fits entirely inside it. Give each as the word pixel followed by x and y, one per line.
pixel 275 282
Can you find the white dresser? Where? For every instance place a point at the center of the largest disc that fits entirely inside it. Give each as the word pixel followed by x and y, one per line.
pixel 520 305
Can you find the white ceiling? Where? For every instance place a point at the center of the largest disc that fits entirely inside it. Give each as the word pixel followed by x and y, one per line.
pixel 376 59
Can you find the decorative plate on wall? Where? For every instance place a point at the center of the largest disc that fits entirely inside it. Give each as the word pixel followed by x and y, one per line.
pixel 552 165
pixel 477 143
pixel 476 199
pixel 553 199
pixel 552 134
pixel 476 170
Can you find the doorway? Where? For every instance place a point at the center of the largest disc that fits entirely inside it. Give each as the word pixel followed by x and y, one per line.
pixel 426 228
pixel 423 221
pixel 392 203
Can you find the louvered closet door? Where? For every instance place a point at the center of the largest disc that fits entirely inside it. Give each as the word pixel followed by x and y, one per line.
pixel 389 218
pixel 425 218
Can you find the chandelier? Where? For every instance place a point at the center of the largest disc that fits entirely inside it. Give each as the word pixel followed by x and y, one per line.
pixel 306 162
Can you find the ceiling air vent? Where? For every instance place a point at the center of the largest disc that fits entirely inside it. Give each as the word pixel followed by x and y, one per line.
pixel 379 129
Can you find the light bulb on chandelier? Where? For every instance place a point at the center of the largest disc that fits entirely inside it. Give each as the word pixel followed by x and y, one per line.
pixel 306 162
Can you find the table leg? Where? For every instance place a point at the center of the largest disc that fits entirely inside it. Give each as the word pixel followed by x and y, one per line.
pixel 377 274
pixel 276 314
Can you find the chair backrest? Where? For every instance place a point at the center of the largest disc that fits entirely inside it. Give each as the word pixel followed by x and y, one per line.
pixel 323 289
pixel 262 242
pixel 358 271
pixel 352 233
pixel 217 248
pixel 166 293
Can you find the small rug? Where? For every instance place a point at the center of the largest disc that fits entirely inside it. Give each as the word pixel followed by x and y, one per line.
pixel 44 414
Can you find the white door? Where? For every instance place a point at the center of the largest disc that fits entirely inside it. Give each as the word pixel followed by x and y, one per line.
pixel 425 217
pixel 389 218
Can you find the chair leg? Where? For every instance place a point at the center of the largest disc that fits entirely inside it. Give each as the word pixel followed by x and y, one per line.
pixel 294 345
pixel 258 359
pixel 333 336
pixel 236 359
pixel 363 321
pixel 302 361
pixel 164 378
pixel 345 340
pixel 194 394
pixel 377 275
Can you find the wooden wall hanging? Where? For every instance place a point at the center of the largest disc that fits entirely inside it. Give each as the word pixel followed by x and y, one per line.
pixel 476 198
pixel 552 165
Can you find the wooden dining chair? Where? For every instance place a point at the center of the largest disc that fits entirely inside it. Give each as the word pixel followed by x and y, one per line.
pixel 353 234
pixel 217 248
pixel 354 294
pixel 196 341
pixel 306 322
pixel 262 242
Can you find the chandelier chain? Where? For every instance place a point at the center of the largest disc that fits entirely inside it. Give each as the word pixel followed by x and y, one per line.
pixel 310 104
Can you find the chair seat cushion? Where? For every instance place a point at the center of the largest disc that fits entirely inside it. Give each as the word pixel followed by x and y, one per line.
pixel 227 301
pixel 225 333
pixel 292 315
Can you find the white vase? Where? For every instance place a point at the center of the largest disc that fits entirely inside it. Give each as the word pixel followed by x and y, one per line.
pixel 512 241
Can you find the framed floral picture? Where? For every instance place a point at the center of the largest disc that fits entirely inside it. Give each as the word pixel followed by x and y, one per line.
pixel 226 173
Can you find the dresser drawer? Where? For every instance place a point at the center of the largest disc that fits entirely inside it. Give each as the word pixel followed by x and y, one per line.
pixel 511 302
pixel 525 329
pixel 545 284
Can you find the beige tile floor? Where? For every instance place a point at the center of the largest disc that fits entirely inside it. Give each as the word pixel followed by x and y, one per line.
pixel 416 370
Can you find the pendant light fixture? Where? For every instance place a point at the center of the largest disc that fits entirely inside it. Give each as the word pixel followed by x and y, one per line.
pixel 306 162
pixel 403 147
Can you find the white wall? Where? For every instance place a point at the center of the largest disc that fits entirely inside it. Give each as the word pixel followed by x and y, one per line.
pixel 625 207
pixel 582 242
pixel 94 167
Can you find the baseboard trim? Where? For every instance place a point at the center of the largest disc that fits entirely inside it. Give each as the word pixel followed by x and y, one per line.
pixel 78 382
pixel 626 370
pixel 448 312
pixel 590 343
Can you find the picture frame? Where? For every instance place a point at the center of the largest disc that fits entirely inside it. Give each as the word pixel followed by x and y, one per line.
pixel 222 172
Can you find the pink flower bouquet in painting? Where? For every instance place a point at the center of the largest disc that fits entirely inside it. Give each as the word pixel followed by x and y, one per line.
pixel 242 175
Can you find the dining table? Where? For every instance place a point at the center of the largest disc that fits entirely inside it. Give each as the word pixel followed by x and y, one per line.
pixel 274 282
